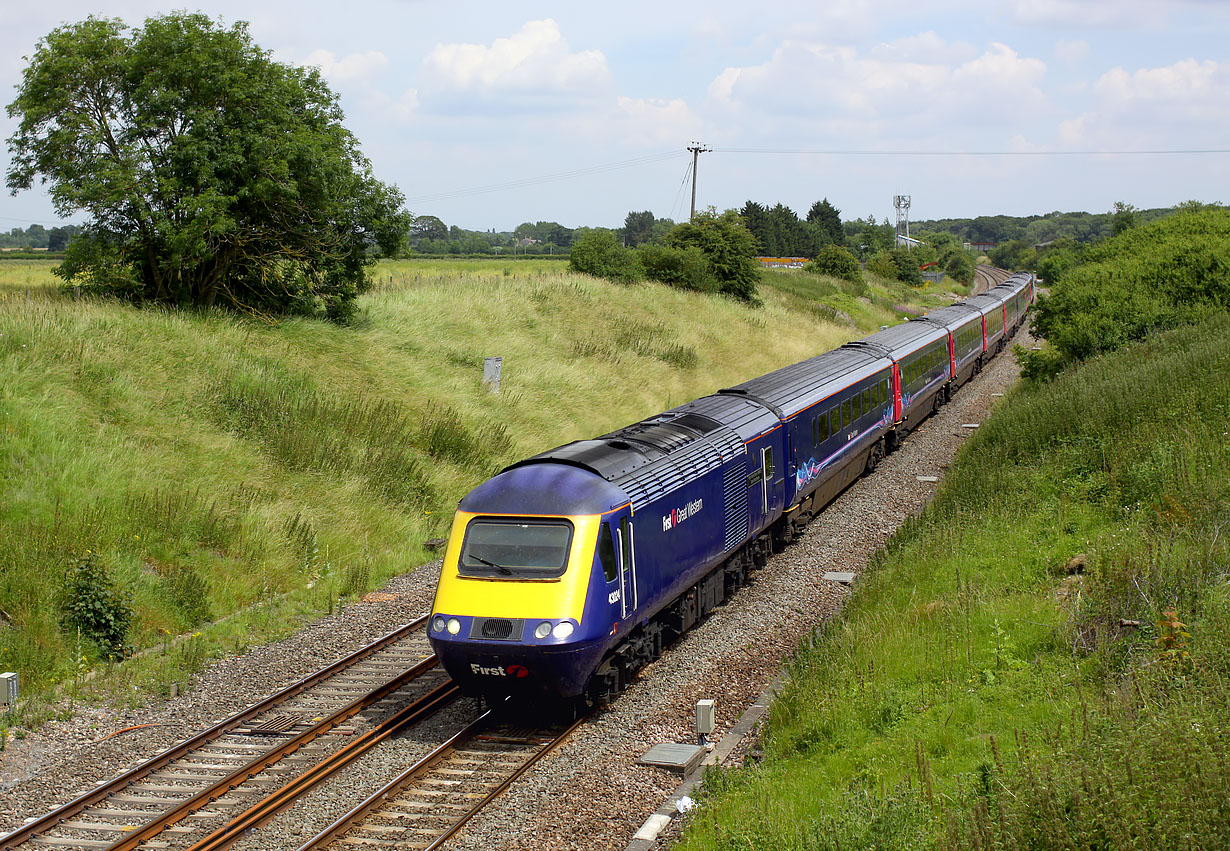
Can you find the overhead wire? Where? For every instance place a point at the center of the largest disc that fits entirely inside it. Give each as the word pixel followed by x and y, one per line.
pixel 916 153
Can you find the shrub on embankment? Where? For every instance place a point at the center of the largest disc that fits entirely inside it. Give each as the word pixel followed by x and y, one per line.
pixel 1172 271
pixel 1042 660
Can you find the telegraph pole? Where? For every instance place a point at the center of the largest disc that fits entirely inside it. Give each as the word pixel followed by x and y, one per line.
pixel 697 149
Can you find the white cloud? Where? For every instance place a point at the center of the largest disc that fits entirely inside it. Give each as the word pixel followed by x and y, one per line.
pixel 921 80
pixel 349 68
pixel 536 61
pixel 401 109
pixel 1186 85
pixel 1181 105
pixel 652 121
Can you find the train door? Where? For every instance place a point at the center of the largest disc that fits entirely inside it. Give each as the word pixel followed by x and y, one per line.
pixel 895 386
pixel 627 568
pixel 773 480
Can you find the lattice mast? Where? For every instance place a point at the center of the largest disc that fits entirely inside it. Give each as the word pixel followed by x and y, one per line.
pixel 902 205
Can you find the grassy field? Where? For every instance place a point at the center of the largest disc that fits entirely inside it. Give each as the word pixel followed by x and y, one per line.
pixel 1040 661
pixel 185 467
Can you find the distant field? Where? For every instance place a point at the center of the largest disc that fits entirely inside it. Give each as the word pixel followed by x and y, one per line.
pixel 20 276
pixel 210 462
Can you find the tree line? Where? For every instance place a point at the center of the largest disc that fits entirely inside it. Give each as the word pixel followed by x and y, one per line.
pixel 1036 230
pixel 39 238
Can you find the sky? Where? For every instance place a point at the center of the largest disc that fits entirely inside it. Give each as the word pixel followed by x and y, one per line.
pixel 489 114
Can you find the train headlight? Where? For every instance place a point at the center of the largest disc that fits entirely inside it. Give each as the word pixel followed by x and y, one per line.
pixel 542 630
pixel 562 630
pixel 454 626
pixel 438 624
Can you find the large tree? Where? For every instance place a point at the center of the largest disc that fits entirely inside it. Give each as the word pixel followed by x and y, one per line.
pixel 828 219
pixel 638 228
pixel 211 174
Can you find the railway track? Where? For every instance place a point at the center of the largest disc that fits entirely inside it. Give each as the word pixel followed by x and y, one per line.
pixel 174 798
pixel 986 277
pixel 430 801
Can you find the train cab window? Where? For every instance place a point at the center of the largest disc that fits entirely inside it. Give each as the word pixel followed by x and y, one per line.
pixel 866 401
pixel 508 548
pixel 606 553
pixel 768 464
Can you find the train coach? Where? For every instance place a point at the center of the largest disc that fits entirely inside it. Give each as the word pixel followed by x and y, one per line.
pixel 570 570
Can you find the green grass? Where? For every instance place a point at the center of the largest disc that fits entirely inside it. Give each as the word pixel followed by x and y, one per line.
pixel 868 305
pixel 234 477
pixel 978 691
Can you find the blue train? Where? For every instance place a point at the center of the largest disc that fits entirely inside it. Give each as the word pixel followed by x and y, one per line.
pixel 570 570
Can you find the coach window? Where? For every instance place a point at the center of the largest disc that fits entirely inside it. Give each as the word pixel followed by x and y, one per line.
pixel 822 427
pixel 866 401
pixel 606 553
pixel 845 414
pixel 857 403
pixel 834 420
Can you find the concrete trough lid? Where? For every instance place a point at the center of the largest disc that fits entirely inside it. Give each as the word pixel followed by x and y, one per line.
pixel 969 425
pixel 680 758
pixel 928 478
pixel 842 576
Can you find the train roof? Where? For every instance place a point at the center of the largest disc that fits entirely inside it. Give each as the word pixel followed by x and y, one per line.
pixel 899 340
pixel 746 417
pixel 660 453
pixel 1014 284
pixel 986 302
pixel 799 386
pixel 954 316
pixel 544 489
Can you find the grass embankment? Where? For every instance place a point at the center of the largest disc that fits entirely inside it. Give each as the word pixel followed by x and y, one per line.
pixel 206 465
pixel 1042 660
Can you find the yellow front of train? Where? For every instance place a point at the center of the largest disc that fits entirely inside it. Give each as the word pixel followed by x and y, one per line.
pixel 523 602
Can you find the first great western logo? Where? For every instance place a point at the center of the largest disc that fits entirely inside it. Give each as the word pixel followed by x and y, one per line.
pixel 678 515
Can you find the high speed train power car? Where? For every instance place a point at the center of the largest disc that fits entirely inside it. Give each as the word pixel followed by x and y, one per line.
pixel 569 570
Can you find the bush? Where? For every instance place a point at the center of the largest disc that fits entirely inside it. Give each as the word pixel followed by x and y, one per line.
pixel 897 265
pixel 729 246
pixel 1170 272
pixel 94 605
pixel 837 262
pixel 960 267
pixel 597 252
pixel 684 267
